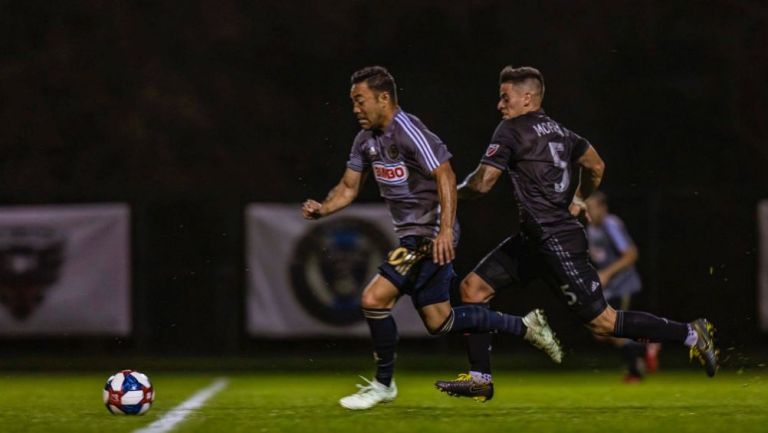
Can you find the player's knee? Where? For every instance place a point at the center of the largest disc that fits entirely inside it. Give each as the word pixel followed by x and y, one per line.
pixel 440 325
pixel 603 324
pixel 371 300
pixel 433 330
pixel 599 329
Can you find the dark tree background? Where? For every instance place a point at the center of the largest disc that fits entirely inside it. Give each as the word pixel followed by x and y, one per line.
pixel 189 110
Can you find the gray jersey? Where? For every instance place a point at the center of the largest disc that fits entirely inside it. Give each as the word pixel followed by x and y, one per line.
pixel 607 242
pixel 402 158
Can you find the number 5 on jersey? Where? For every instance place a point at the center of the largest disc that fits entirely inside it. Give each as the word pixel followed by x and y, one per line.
pixel 556 149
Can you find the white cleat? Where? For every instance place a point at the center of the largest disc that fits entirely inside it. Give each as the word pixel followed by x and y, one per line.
pixel 540 335
pixel 369 395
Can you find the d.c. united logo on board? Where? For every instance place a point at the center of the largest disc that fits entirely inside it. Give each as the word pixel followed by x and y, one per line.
pixel 492 149
pixel 331 265
pixel 30 260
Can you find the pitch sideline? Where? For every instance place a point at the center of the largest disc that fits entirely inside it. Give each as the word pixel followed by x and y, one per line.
pixel 179 413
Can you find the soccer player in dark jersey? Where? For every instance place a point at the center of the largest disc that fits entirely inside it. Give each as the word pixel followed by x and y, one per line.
pixel 613 253
pixel 413 171
pixel 553 170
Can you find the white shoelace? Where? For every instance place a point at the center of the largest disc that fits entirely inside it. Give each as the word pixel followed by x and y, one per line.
pixel 365 389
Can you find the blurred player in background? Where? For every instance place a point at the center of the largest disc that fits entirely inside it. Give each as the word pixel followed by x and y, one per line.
pixel 614 254
pixel 553 170
pixel 413 171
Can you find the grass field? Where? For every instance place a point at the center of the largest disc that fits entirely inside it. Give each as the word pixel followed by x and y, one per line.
pixel 525 402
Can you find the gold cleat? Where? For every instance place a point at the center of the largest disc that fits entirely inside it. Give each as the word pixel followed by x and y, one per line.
pixel 705 350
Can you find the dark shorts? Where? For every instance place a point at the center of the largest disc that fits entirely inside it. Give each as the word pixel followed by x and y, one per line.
pixel 561 261
pixel 411 269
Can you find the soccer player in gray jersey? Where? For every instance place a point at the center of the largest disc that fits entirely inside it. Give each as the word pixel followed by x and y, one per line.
pixel 412 168
pixel 553 170
pixel 614 254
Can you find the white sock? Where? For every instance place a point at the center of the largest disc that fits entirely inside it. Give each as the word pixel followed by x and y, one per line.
pixel 692 337
pixel 480 377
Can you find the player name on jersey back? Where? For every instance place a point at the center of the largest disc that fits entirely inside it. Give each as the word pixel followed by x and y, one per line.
pixel 545 128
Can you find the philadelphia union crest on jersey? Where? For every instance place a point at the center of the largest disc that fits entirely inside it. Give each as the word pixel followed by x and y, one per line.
pixel 331 265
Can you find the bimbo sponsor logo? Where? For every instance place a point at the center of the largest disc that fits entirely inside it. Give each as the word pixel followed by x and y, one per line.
pixel 390 173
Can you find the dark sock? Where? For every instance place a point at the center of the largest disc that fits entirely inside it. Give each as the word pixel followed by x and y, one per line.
pixel 479 349
pixel 384 335
pixel 475 319
pixel 631 352
pixel 638 325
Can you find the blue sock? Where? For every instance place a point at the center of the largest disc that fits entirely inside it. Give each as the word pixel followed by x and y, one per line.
pixel 384 335
pixel 479 349
pixel 475 319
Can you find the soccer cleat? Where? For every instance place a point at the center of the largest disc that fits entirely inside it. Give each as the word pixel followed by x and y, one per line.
pixel 540 335
pixel 704 350
pixel 369 395
pixel 466 386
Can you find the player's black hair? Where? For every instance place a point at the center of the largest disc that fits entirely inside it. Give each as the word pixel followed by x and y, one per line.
pixel 378 79
pixel 520 75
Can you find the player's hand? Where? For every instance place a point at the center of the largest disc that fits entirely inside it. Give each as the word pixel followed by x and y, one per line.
pixel 578 209
pixel 442 248
pixel 310 209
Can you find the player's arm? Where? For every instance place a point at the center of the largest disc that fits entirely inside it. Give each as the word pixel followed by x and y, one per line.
pixel 442 248
pixel 621 239
pixel 590 176
pixel 340 196
pixel 627 259
pixel 479 182
pixel 505 139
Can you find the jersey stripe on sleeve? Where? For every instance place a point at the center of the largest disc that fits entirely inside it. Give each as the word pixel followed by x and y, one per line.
pixel 418 138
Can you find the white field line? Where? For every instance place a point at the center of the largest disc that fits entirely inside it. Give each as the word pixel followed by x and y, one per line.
pixel 179 413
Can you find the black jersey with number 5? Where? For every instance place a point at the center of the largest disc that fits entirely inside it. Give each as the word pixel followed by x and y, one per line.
pixel 540 156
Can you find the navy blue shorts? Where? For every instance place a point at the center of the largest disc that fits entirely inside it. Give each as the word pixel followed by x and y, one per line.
pixel 411 269
pixel 561 261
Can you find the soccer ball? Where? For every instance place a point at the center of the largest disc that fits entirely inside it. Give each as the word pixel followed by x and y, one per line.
pixel 128 393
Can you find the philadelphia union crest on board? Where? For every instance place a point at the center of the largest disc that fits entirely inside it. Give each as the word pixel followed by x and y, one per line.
pixel 331 265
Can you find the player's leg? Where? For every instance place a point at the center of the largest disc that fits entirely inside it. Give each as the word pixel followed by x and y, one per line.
pixel 475 291
pixel 579 285
pixel 441 319
pixel 632 352
pixel 697 335
pixel 497 270
pixel 650 350
pixel 377 301
pixel 431 294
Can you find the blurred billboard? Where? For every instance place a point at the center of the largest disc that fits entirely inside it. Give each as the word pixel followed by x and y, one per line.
pixel 305 278
pixel 65 270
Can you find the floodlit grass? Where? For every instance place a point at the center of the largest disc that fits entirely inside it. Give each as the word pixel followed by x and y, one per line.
pixel 538 402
